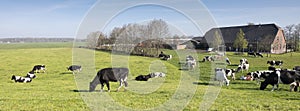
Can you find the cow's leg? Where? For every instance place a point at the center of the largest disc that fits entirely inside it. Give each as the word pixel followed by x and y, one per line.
pixel 107 84
pixel 102 86
pixel 121 84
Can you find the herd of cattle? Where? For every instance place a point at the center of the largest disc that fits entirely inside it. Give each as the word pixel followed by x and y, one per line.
pixel 37 69
pixel 273 76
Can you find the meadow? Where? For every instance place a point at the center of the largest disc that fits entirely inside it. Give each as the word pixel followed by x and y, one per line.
pixel 59 89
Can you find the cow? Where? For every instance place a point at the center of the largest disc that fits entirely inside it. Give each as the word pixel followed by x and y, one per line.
pixel 74 68
pixel 110 74
pixel 31 75
pixel 252 54
pixel 21 79
pixel 221 77
pixel 273 62
pixel 208 58
pixel 280 76
pixel 157 74
pixel 190 62
pixel 259 75
pixel 231 73
pixel 143 77
pixel 38 68
pixel 164 56
pixel 243 67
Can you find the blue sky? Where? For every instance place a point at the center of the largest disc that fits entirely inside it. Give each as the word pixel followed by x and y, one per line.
pixel 68 18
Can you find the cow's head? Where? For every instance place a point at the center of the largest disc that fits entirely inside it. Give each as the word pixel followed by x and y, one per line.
pixel 227 82
pixel 13 77
pixel 92 87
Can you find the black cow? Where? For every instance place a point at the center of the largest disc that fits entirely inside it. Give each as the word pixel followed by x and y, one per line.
pixel 143 77
pixel 38 68
pixel 110 74
pixel 74 68
pixel 282 76
pixel 273 62
pixel 251 53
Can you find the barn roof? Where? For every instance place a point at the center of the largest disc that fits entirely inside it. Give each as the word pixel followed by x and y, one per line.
pixel 252 32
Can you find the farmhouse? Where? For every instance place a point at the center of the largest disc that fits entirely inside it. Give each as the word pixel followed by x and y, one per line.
pixel 261 38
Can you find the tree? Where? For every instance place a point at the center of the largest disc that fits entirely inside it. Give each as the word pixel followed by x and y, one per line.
pixel 217 40
pixel 92 39
pixel 240 42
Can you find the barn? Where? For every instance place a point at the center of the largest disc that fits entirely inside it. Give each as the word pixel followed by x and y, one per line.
pixel 261 38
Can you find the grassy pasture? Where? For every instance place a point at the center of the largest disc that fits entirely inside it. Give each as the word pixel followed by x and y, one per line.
pixel 59 89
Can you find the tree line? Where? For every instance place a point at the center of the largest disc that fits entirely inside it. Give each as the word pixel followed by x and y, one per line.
pixel 292 34
pixel 133 38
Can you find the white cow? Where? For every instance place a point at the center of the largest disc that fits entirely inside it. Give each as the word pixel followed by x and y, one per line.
pixel 221 76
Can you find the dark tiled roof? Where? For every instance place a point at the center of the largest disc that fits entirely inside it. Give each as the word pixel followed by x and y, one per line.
pixel 252 32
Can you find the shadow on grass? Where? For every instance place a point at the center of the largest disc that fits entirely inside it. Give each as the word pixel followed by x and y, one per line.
pixel 66 73
pixel 247 88
pixel 291 98
pixel 82 90
pixel 202 83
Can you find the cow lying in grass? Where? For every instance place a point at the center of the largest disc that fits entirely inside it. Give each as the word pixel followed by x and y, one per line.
pixel 74 68
pixel 110 74
pixel 164 56
pixel 38 68
pixel 273 63
pixel 21 79
pixel 151 75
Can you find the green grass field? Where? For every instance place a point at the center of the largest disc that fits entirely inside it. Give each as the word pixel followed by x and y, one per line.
pixel 58 89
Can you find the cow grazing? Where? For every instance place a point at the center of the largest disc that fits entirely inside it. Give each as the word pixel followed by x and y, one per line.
pixel 259 75
pixel 251 54
pixel 280 76
pixel 21 79
pixel 273 63
pixel 31 74
pixel 38 68
pixel 143 77
pixel 221 76
pixel 74 68
pixel 259 54
pixel 243 67
pixel 231 73
pixel 157 74
pixel 110 74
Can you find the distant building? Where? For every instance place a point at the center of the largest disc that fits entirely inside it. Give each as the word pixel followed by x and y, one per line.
pixel 261 38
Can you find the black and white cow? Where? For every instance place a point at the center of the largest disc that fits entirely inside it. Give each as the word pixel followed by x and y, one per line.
pixel 243 67
pixel 221 77
pixel 294 86
pixel 243 61
pixel 143 77
pixel 38 68
pixel 259 75
pixel 74 68
pixel 110 74
pixel 273 62
pixel 190 62
pixel 31 74
pixel 208 58
pixel 21 79
pixel 280 76
pixel 157 74
pixel 164 56
pixel 230 73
